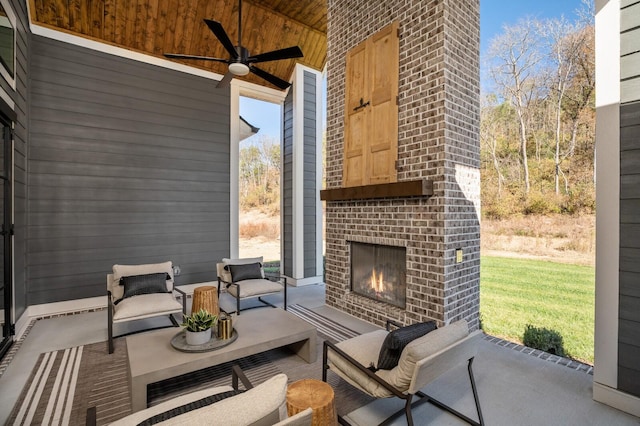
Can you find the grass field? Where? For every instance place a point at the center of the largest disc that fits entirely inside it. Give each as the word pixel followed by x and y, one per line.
pixel 516 292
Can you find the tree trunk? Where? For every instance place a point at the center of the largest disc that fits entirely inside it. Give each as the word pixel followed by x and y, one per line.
pixel 523 149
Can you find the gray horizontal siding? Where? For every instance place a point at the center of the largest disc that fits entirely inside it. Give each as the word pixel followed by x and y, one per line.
pixel 287 187
pixel 128 163
pixel 629 288
pixel 310 192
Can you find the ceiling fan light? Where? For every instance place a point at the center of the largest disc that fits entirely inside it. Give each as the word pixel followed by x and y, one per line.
pixel 238 68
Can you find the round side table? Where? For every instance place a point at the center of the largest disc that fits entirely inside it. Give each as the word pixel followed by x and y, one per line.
pixel 315 394
pixel 205 297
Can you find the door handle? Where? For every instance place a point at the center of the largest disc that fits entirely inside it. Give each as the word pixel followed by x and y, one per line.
pixel 362 105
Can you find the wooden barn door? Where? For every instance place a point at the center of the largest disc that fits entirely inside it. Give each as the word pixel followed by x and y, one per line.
pixel 371 110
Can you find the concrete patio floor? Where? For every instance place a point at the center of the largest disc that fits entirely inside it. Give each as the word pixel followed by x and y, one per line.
pixel 514 388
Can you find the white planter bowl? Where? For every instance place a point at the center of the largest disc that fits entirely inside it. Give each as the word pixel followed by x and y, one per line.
pixel 198 337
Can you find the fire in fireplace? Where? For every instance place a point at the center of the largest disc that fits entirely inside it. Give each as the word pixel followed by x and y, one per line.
pixel 379 272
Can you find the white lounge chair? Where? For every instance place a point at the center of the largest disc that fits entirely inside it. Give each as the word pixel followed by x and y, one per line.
pixel 137 292
pixel 421 361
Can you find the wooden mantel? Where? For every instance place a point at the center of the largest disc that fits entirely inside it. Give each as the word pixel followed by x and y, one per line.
pixel 412 188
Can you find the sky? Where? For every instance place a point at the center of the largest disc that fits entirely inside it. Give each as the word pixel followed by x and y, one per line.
pixel 494 14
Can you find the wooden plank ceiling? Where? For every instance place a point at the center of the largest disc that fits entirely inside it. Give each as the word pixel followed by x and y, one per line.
pixel 176 26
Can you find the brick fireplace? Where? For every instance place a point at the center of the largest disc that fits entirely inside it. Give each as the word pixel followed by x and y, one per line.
pixel 438 142
pixel 379 272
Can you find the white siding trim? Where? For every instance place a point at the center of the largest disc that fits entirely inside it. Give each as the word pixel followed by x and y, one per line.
pixel 119 51
pixel 11 16
pixel 234 172
pixel 319 126
pixel 614 398
pixel 7 99
pixel 607 193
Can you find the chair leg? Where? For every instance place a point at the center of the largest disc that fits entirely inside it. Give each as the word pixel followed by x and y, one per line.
pixel 238 303
pixel 173 321
pixel 456 413
pixel 475 392
pixel 285 293
pixel 110 344
pixel 407 410
pixel 325 364
pixel 110 324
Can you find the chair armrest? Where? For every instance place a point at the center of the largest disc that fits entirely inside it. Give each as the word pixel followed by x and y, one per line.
pixel 392 322
pixel 373 376
pixel 430 368
pixel 221 281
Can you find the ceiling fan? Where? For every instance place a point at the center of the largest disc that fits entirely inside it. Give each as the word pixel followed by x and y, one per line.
pixel 240 63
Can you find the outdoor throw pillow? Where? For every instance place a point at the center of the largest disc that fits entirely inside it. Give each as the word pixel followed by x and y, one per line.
pixel 248 271
pixel 144 284
pixel 195 405
pixel 395 342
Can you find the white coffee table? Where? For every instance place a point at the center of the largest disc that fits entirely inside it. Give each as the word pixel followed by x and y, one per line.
pixel 153 359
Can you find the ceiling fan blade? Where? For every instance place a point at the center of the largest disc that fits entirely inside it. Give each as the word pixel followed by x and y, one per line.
pixel 221 34
pixel 275 55
pixel 276 81
pixel 202 58
pixel 226 80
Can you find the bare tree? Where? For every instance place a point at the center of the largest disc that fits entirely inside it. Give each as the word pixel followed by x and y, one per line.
pixel 489 135
pixel 565 47
pixel 260 172
pixel 515 61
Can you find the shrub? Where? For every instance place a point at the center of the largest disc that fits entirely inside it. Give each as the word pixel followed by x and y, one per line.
pixel 259 229
pixel 543 339
pixel 271 267
pixel 541 204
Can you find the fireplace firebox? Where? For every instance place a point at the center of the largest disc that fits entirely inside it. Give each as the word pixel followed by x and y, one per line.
pixel 379 272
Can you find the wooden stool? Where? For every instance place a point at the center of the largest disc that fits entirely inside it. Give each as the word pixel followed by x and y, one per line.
pixel 315 394
pixel 205 297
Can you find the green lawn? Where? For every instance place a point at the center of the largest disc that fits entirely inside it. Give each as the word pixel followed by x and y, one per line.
pixel 516 292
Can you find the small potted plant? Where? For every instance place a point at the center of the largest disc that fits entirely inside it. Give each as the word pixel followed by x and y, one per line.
pixel 198 327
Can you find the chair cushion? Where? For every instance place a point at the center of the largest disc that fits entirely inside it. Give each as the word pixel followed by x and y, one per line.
pixel 255 287
pixel 120 271
pixel 145 306
pixel 421 348
pixel 261 405
pixel 396 341
pixel 189 406
pixel 225 275
pixel 364 349
pixel 248 271
pixel 144 284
